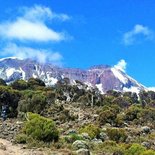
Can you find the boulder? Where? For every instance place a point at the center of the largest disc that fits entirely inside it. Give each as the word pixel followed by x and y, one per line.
pixel 146 129
pixel 80 144
pixel 83 152
pixel 103 136
pixel 2 146
pixel 85 136
pixel 146 144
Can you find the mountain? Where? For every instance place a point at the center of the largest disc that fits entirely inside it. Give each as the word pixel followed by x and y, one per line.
pixel 103 77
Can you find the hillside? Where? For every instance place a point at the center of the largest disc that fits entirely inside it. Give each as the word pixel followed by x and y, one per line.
pixel 72 119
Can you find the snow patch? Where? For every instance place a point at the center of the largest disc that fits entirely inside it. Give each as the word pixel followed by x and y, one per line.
pixel 10 71
pixel 2 59
pixel 119 75
pixel 34 76
pixel 151 89
pixel 100 88
pixel 132 89
pixel 50 80
pixel 23 73
pixel 90 86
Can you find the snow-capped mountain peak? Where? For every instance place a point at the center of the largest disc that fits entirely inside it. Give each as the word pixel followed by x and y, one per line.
pixel 102 77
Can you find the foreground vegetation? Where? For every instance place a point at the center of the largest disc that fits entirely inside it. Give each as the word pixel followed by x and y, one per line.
pixel 74 117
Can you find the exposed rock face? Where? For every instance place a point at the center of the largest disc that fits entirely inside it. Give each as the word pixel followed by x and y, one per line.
pixel 103 77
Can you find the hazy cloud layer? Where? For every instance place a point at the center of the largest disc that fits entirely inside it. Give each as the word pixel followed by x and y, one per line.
pixel 38 54
pixel 138 33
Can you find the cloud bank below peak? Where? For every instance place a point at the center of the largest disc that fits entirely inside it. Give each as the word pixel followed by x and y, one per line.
pixel 41 55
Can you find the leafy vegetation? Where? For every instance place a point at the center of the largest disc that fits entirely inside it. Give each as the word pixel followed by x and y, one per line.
pixel 92 130
pixel 40 128
pixel 114 122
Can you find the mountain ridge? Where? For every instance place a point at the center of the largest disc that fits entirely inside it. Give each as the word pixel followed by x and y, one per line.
pixel 104 77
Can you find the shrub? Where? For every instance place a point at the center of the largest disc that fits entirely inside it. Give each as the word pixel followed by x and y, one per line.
pixel 135 149
pixel 118 135
pixel 119 121
pixel 72 138
pixel 132 113
pixel 19 85
pixel 35 82
pixel 32 101
pixel 92 130
pixel 148 152
pixel 106 117
pixel 40 128
pixel 108 147
pixel 2 82
pixel 21 138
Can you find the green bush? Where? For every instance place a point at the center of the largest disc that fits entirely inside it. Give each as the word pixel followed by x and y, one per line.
pixel 108 147
pixel 106 116
pixel 118 135
pixel 40 128
pixel 92 130
pixel 2 82
pixel 119 121
pixel 148 152
pixel 19 85
pixel 21 138
pixel 135 149
pixel 72 137
pixel 32 101
pixel 133 112
pixel 35 83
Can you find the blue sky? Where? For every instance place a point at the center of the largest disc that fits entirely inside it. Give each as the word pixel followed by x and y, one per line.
pixel 82 33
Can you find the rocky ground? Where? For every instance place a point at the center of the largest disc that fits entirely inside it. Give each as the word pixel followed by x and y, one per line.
pixel 8 131
pixel 11 127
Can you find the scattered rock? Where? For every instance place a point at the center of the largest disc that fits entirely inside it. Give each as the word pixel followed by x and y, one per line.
pixel 103 136
pixel 146 129
pixel 2 146
pixel 83 152
pixel 71 131
pixel 146 144
pixel 80 144
pixel 97 141
pixel 85 136
pixel 129 138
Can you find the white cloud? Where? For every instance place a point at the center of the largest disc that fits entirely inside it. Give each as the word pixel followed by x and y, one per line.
pixel 40 55
pixel 131 37
pixel 121 65
pixel 26 30
pixel 31 26
pixel 42 13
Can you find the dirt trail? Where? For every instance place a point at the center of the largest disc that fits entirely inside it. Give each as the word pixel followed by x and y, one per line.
pixel 7 148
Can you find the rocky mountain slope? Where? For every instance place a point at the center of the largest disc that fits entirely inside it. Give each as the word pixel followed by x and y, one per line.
pixel 103 77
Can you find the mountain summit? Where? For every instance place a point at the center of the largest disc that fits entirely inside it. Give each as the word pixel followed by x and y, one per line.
pixel 103 77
